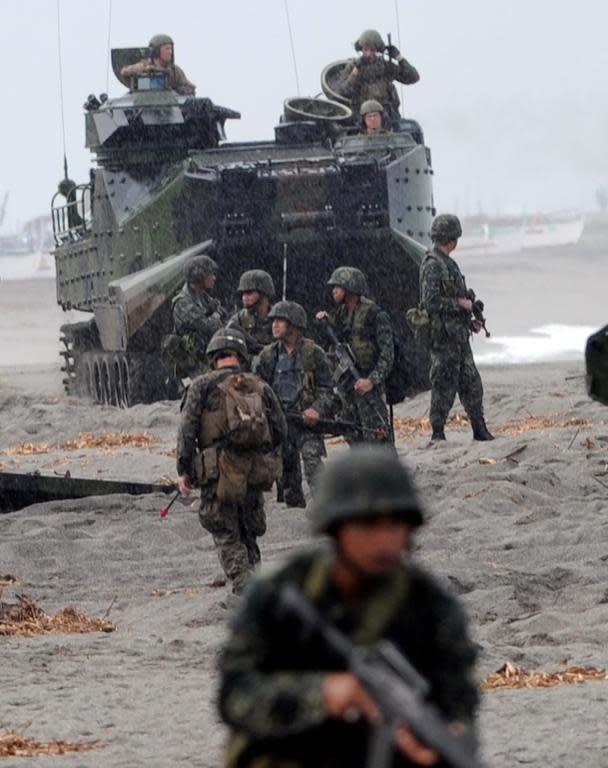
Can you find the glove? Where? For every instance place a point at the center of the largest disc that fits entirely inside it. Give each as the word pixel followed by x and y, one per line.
pixel 392 51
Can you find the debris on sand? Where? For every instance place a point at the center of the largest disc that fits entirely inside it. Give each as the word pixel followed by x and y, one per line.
pixel 14 744
pixel 510 676
pixel 26 618
pixel 106 441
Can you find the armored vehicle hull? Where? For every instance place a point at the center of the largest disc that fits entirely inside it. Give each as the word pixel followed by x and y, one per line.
pixel 167 184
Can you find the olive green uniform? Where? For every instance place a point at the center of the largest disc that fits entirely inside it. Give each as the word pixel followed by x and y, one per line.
pixel 175 76
pixel 271 676
pixel 369 333
pixel 235 526
pixel 453 368
pixel 195 316
pixel 301 380
pixel 375 81
pixel 257 330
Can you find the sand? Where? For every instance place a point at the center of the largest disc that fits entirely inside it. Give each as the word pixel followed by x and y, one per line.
pixel 517 528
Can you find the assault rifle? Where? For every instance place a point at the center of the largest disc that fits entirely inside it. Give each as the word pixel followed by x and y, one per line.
pixel 478 307
pixel 346 367
pixel 329 426
pixel 398 689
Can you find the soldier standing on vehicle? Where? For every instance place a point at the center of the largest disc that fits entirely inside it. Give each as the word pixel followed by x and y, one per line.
pixel 372 118
pixel 298 371
pixel 366 328
pixel 257 291
pixel 288 700
pixel 196 314
pixel 444 295
pixel 161 59
pixel 231 432
pixel 371 76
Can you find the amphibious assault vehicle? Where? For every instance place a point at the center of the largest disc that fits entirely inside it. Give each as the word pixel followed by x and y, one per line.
pixel 167 184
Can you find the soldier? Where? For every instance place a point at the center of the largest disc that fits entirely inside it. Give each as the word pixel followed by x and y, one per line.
pixel 257 291
pixel 161 59
pixel 298 371
pixel 196 314
pixel 444 295
pixel 372 76
pixel 362 324
pixel 288 700
pixel 232 462
pixel 372 117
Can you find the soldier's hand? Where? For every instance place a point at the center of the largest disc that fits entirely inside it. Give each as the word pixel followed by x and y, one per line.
pixel 392 51
pixel 322 315
pixel 476 326
pixel 363 386
pixel 465 304
pixel 183 485
pixel 414 750
pixel 345 698
pixel 310 416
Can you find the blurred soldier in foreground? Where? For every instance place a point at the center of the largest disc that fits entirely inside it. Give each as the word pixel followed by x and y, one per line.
pixel 290 700
pixel 366 328
pixel 372 119
pixel 229 440
pixel 257 291
pixel 372 76
pixel 298 371
pixel 196 314
pixel 444 295
pixel 161 59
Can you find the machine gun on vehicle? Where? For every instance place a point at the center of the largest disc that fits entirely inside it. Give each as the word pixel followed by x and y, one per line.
pixel 398 689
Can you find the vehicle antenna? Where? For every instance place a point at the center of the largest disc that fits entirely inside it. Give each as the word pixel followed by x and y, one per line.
pixel 284 271
pixel 293 50
pixel 108 54
pixel 65 156
pixel 399 44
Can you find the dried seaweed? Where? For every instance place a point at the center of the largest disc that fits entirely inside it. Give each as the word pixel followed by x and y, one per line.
pixel 106 441
pixel 510 676
pixel 14 743
pixel 26 618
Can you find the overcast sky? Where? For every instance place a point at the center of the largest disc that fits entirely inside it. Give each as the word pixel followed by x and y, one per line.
pixel 513 97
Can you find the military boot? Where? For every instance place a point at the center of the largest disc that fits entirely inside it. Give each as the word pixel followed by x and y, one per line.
pixel 438 433
pixel 294 497
pixel 480 430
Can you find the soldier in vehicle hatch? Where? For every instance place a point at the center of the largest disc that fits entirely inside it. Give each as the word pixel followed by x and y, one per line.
pixel 371 76
pixel 372 118
pixel 289 699
pixel 161 59
pixel 257 291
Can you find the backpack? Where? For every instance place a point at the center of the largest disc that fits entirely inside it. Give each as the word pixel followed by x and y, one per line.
pixel 398 383
pixel 246 417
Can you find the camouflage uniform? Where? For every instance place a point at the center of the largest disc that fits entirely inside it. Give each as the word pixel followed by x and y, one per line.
pixel 234 526
pixel 301 379
pixel 370 335
pixel 258 329
pixel 193 317
pixel 375 81
pixel 175 76
pixel 453 369
pixel 271 677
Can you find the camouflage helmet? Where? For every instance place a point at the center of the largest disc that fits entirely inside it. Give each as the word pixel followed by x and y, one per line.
pixel 291 311
pixel 158 40
pixel 349 278
pixel 361 483
pixel 228 340
pixel 199 267
pixel 256 280
pixel 370 38
pixel 371 105
pixel 445 228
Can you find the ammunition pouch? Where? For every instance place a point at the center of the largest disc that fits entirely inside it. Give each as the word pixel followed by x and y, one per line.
pixel 240 470
pixel 206 466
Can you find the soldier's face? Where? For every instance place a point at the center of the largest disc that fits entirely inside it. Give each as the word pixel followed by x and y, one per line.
pixel 338 293
pixel 250 298
pixel 373 122
pixel 280 328
pixel 165 53
pixel 209 282
pixel 368 53
pixel 373 547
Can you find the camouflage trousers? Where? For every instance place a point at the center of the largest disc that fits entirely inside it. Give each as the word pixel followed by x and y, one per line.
pixel 369 411
pixel 234 528
pixel 453 371
pixel 303 443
